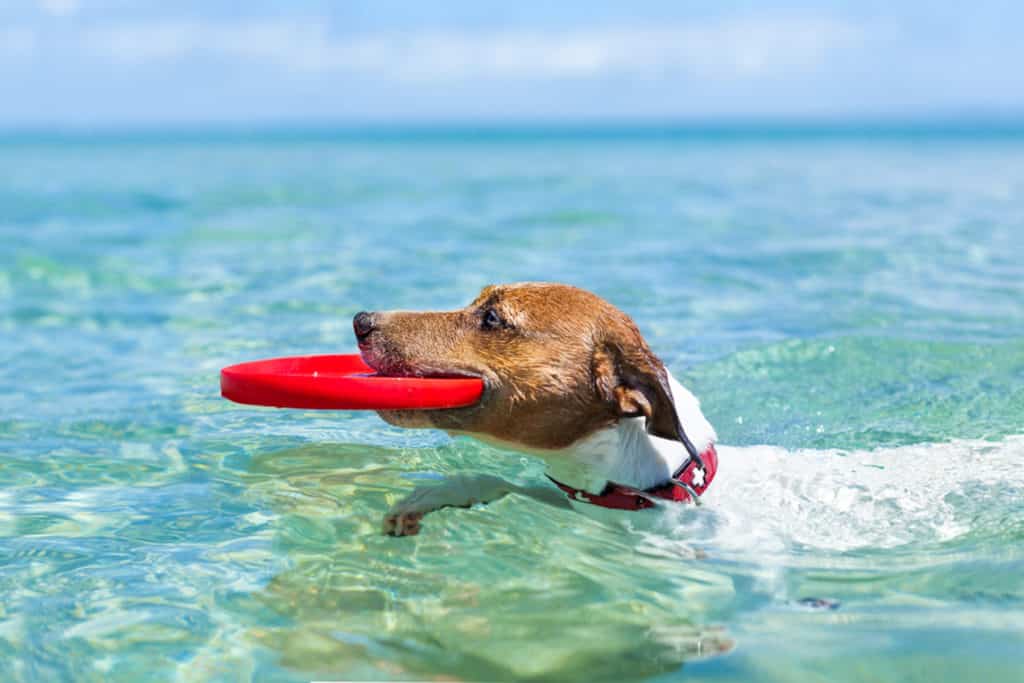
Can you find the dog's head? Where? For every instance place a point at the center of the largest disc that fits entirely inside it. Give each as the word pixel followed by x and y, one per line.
pixel 558 363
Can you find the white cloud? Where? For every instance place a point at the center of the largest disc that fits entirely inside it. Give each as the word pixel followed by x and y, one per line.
pixel 737 48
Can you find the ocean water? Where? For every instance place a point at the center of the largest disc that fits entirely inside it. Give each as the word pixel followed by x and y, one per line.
pixel 849 307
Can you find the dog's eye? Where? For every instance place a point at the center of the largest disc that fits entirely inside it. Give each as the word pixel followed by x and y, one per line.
pixel 491 320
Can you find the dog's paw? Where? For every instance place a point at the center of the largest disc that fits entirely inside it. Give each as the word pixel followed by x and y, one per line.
pixel 462 491
pixel 402 523
pixel 403 519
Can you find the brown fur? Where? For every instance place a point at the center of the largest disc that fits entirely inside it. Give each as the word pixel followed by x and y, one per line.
pixel 561 364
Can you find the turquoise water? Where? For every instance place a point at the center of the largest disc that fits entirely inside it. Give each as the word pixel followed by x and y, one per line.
pixel 848 306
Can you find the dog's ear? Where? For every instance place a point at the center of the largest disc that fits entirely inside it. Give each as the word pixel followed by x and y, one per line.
pixel 486 293
pixel 632 381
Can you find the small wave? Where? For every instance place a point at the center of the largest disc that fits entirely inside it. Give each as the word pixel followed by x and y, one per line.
pixel 769 499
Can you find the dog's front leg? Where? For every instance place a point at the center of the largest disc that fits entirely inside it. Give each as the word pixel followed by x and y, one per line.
pixel 460 491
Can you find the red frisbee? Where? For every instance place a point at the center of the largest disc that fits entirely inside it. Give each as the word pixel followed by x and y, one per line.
pixel 340 382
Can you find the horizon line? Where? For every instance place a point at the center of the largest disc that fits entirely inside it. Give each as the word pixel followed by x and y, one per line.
pixel 1011 124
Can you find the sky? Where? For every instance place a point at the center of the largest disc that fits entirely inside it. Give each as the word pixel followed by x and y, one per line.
pixel 141 62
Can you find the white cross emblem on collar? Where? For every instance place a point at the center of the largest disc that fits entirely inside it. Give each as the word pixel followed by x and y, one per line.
pixel 698 477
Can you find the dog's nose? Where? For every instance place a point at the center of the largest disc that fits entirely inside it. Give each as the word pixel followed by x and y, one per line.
pixel 363 324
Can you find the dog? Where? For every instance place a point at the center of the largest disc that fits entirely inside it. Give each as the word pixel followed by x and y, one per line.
pixel 568 378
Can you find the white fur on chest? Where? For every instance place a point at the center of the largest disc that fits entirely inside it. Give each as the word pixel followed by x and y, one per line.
pixel 627 454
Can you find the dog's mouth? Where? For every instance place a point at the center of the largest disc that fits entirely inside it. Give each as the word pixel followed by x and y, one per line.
pixel 387 365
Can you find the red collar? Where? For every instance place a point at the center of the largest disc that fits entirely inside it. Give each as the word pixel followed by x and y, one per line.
pixel 620 497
